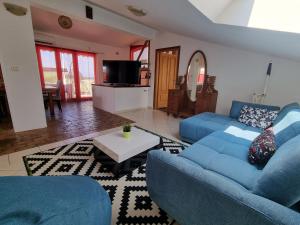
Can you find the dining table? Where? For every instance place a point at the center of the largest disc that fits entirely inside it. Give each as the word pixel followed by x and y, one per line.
pixel 50 91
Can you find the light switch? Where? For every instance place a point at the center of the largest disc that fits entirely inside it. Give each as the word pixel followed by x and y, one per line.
pixel 14 68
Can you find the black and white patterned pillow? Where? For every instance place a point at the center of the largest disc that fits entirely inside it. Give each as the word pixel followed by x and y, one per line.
pixel 251 116
pixel 267 119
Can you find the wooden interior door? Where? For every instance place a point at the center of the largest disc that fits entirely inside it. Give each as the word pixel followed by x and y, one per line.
pixel 167 74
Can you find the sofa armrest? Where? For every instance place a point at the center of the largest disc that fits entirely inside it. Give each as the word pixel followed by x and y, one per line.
pixel 193 195
pixel 237 106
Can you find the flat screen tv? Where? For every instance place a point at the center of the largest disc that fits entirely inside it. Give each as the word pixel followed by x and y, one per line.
pixel 121 72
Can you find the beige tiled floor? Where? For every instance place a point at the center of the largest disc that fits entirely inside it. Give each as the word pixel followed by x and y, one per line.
pixel 153 120
pixel 156 121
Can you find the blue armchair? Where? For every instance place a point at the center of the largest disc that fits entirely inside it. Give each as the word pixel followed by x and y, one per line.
pixel 71 200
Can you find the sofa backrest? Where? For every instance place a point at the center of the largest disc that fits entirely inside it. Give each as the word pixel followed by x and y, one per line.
pixel 237 106
pixel 280 178
pixel 284 111
pixel 287 124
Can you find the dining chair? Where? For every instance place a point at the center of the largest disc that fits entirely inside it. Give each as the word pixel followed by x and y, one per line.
pixel 57 97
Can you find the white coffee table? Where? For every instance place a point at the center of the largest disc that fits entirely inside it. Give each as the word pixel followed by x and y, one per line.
pixel 121 150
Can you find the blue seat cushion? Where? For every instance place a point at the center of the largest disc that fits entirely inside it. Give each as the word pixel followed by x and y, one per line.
pixel 224 154
pixel 53 200
pixel 280 178
pixel 227 144
pixel 287 124
pixel 201 125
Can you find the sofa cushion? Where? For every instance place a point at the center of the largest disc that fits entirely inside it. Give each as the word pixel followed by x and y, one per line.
pixel 251 116
pixel 226 155
pixel 196 127
pixel 267 119
pixel 280 178
pixel 287 124
pixel 237 106
pixel 243 131
pixel 228 144
pixel 262 148
pixel 284 111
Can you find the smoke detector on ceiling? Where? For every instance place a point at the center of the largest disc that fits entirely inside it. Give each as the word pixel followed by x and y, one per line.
pixel 137 12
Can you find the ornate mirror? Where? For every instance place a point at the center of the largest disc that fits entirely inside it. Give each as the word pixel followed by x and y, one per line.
pixel 195 76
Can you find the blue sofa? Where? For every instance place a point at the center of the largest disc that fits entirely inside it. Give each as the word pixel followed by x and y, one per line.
pixel 212 183
pixel 71 200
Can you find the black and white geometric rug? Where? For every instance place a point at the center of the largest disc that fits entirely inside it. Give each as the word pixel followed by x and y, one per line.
pixel 131 203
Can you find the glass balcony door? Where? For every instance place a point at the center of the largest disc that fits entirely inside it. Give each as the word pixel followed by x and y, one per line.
pixel 68 74
pixel 48 66
pixel 86 69
pixel 75 69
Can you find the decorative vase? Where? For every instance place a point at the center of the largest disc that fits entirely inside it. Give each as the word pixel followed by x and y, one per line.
pixel 210 84
pixel 126 135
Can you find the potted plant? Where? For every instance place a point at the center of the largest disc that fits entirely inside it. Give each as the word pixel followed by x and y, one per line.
pixel 127 131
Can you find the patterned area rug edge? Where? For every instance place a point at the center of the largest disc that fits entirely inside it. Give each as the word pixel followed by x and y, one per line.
pixel 130 200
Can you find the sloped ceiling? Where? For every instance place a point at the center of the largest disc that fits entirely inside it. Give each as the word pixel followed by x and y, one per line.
pixel 213 8
pixel 182 17
pixel 265 14
pixel 46 21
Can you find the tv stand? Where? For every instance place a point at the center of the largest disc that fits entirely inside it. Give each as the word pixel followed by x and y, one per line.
pixel 121 85
pixel 118 85
pixel 117 98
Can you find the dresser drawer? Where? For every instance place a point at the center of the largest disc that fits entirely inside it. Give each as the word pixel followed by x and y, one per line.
pixel 174 93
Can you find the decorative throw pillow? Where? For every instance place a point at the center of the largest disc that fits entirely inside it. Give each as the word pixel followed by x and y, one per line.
pixel 251 116
pixel 267 119
pixel 262 148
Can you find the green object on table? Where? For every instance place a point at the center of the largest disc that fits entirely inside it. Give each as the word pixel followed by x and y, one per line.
pixel 127 131
pixel 127 135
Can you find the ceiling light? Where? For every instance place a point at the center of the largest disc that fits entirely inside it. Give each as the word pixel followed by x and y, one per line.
pixel 137 12
pixel 15 9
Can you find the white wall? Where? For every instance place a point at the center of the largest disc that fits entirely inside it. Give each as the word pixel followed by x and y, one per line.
pixel 239 73
pixel 104 52
pixel 20 70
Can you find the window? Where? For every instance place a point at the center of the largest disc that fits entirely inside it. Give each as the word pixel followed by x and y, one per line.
pixel 135 52
pixel 49 66
pixel 86 67
pixel 75 69
pixel 68 75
